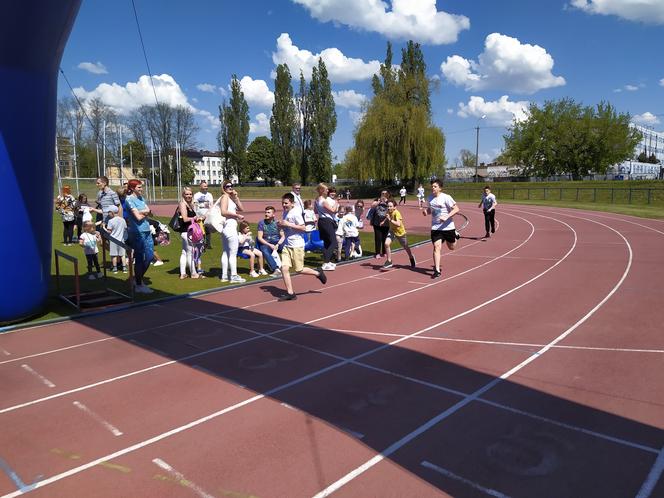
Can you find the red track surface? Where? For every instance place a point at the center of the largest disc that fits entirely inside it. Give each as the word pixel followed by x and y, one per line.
pixel 532 368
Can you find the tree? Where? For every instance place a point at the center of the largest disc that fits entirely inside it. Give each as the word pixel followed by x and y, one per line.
pixel 236 117
pixel 283 124
pixel 222 139
pixel 323 122
pixel 303 141
pixel 467 158
pixel 564 138
pixel 396 139
pixel 260 159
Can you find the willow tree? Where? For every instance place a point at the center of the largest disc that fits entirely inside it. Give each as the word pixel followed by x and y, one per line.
pixel 396 138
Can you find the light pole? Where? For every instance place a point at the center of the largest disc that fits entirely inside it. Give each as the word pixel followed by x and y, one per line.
pixel 477 145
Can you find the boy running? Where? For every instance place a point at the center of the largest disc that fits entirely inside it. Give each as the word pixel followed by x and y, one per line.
pixel 398 232
pixel 293 253
pixel 441 207
pixel 488 205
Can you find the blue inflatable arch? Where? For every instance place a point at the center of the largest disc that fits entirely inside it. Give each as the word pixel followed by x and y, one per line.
pixel 33 34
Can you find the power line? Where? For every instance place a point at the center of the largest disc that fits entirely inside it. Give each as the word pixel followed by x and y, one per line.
pixel 145 55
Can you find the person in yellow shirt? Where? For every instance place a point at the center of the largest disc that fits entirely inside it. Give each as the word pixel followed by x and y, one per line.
pixel 398 232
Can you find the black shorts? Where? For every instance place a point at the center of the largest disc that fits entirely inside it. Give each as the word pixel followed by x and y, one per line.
pixel 446 235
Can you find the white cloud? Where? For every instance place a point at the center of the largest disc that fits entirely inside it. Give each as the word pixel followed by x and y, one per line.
pixel 647 118
pixel 349 98
pixel 256 92
pixel 207 87
pixel 124 99
pixel 340 68
pixel 356 116
pixel 498 112
pixel 505 64
pixel 92 67
pixel 647 11
pixel 261 125
pixel 631 88
pixel 450 110
pixel 661 82
pixel 409 19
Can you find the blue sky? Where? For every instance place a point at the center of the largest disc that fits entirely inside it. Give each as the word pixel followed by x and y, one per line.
pixel 491 58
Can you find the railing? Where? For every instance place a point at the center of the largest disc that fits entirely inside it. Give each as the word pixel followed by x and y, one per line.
pixel 605 195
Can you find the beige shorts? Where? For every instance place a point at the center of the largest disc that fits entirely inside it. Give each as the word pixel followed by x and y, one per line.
pixel 293 257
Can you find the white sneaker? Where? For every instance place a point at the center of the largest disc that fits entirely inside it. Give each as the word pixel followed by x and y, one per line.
pixel 333 266
pixel 158 263
pixel 262 272
pixel 276 273
pixel 253 274
pixel 237 279
pixel 99 274
pixel 328 266
pixel 224 279
pixel 143 289
pixel 91 276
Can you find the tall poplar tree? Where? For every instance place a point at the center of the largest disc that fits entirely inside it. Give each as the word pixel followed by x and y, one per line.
pixel 304 131
pixel 237 128
pixel 283 124
pixel 323 123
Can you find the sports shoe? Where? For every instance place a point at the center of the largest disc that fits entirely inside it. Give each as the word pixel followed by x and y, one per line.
pixel 115 270
pixel 125 270
pixel 493 230
pixel 327 266
pixel 99 274
pixel 262 272
pixel 321 276
pixel 158 263
pixel 436 274
pixel 412 261
pixel 253 274
pixel 91 276
pixel 387 264
pixel 276 273
pixel 487 235
pixel 143 289
pixel 224 279
pixel 457 235
pixel 288 297
pixel 237 279
pixel 333 266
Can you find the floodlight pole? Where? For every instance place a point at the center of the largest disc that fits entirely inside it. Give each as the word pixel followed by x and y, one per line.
pixel 477 150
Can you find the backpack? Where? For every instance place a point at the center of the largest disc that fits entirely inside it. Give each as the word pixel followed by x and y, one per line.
pixel 195 233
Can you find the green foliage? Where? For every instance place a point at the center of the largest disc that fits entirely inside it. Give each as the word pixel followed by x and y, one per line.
pixel 283 125
pixel 565 138
pixel 304 110
pixel 323 123
pixel 236 116
pixel 260 159
pixel 396 138
pixel 467 158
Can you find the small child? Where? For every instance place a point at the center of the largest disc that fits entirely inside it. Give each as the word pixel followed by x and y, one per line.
pixel 397 231
pixel 116 226
pixel 88 241
pixel 349 225
pixel 309 216
pixel 248 248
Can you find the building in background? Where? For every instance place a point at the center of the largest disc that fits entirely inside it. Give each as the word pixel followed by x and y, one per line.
pixel 207 166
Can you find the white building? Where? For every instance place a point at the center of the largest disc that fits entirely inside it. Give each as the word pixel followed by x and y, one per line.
pixel 651 143
pixel 207 166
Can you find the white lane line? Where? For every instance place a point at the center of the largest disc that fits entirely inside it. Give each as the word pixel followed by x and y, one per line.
pixel 472 484
pixel 654 475
pixel 43 379
pixel 180 478
pixel 490 385
pixel 236 343
pixel 5 352
pixel 286 405
pixel 107 425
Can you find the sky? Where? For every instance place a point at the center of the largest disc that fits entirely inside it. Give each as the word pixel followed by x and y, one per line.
pixel 488 59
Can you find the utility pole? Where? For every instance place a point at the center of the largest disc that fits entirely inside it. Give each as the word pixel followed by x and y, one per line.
pixel 477 146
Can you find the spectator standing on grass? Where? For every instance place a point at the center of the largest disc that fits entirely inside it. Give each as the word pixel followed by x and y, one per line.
pixel 441 207
pixel 488 204
pixel 231 207
pixel 106 197
pixel 80 210
pixel 326 208
pixel 65 204
pixel 269 238
pixel 292 224
pixel 397 232
pixel 188 215
pixel 88 241
pixel 297 188
pixel 116 226
pixel 203 201
pixel 402 194
pixel 379 223
pixel 140 237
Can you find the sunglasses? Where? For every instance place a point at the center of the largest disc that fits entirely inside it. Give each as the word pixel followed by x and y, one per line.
pixel 228 186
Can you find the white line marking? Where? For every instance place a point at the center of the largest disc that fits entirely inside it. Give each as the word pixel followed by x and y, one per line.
pixel 5 352
pixel 490 385
pixel 472 484
pixel 181 478
pixel 286 405
pixel 653 476
pixel 43 379
pixel 107 425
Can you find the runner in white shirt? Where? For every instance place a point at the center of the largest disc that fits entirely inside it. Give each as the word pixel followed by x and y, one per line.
pixel 402 194
pixel 441 207
pixel 420 195
pixel 292 255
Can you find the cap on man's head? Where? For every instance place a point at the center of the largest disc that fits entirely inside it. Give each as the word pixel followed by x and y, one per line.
pixel 112 209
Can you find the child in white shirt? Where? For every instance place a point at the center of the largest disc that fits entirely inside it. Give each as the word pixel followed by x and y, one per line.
pixel 351 235
pixel 309 216
pixel 248 248
pixel 88 241
pixel 116 226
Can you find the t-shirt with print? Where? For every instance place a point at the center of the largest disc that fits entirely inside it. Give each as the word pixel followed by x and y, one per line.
pixel 487 201
pixel 294 238
pixel 270 231
pixel 203 202
pixel 89 243
pixel 439 205
pixel 349 224
pixel 398 231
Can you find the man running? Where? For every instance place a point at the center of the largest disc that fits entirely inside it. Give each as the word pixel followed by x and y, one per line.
pixel 488 205
pixel 441 207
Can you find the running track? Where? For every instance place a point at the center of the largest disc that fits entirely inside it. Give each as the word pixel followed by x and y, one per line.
pixel 533 368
